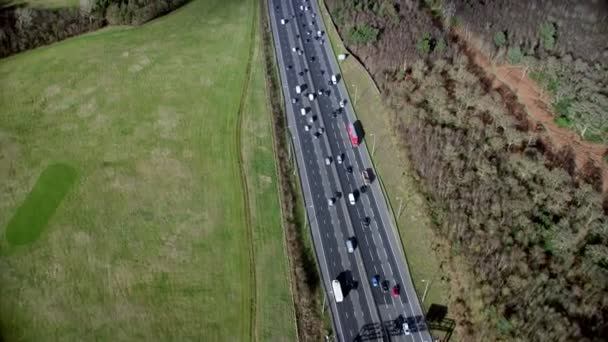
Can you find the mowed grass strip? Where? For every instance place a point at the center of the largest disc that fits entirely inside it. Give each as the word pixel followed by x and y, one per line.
pixel 274 304
pixel 150 242
pixel 392 165
pixel 34 214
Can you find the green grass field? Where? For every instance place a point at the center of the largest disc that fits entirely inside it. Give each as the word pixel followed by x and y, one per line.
pixel 151 241
pixel 413 223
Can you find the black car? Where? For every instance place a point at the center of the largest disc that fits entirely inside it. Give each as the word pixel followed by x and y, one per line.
pixel 385 286
pixel 289 67
pixel 301 73
pixel 349 169
pixel 365 222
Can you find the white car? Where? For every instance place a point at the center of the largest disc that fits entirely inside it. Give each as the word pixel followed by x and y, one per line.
pixel 331 201
pixel 406 329
pixel 307 128
pixel 339 158
pixel 349 245
pixel 327 160
pixel 351 198
pixel 311 97
pixel 342 103
pixel 303 111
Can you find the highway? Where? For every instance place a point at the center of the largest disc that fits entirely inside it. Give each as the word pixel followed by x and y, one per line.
pixel 367 313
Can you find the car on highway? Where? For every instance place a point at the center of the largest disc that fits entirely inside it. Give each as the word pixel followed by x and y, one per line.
pixel 365 221
pixel 350 245
pixel 311 97
pixel 385 284
pixel 376 280
pixel 342 103
pixel 321 130
pixel 327 160
pixel 331 201
pixel 307 128
pixel 395 291
pixel 349 169
pixel 405 328
pixel 339 158
pixel 351 198
pixel 294 100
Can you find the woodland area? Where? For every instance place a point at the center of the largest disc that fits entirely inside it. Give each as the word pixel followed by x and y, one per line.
pixel 532 228
pixel 565 45
pixel 23 27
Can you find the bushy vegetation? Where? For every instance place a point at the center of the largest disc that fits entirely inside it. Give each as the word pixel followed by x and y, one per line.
pixel 363 34
pixel 406 33
pixel 578 93
pixel 533 231
pixel 566 52
pixel 133 12
pixel 25 27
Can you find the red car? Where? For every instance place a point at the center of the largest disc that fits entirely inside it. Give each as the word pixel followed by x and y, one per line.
pixel 395 291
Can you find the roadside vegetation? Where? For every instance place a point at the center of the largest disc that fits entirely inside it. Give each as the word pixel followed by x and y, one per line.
pixel 131 136
pixel 526 227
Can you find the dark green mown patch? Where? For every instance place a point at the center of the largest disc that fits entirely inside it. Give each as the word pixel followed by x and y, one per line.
pixel 33 215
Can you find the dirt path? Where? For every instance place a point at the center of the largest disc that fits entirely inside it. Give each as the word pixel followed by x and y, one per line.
pixel 244 185
pixel 537 106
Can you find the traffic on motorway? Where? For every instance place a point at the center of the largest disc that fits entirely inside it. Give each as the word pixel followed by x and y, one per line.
pixel 360 258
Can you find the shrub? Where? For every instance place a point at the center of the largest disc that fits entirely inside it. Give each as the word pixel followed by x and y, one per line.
pixel 547 35
pixel 363 34
pixel 424 45
pixel 441 45
pixel 514 55
pixel 500 38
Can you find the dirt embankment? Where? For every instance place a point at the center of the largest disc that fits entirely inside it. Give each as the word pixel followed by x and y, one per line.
pixel 537 105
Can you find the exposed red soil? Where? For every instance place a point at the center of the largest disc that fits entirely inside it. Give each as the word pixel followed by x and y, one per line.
pixel 537 105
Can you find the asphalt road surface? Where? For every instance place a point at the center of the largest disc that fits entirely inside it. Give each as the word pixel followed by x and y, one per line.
pixel 367 313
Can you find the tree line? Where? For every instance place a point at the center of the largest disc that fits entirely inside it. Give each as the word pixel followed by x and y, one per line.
pixel 23 27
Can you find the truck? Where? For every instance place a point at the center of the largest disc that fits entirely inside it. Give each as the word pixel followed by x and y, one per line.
pixel 352 134
pixel 335 284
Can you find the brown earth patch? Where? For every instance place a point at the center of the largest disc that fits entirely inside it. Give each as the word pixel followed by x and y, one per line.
pixel 537 104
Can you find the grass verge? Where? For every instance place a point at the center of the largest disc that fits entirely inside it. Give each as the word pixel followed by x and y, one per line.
pixel 274 301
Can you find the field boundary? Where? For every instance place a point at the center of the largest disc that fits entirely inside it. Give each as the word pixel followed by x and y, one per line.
pixel 243 178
